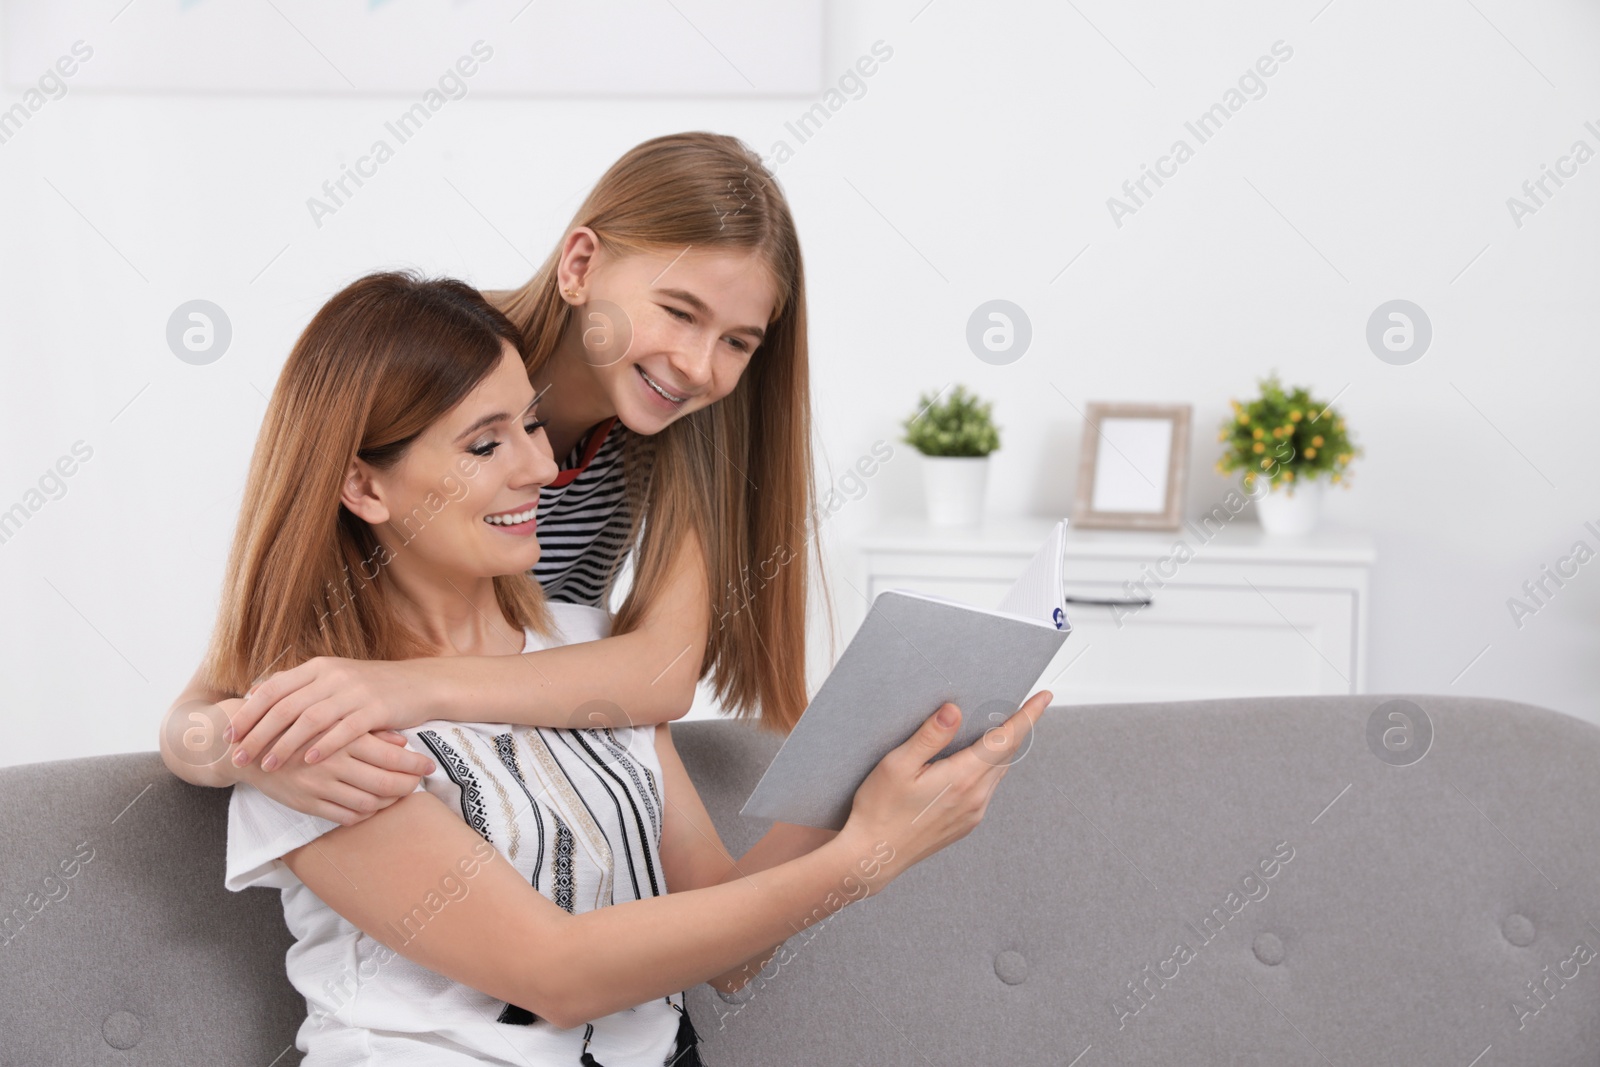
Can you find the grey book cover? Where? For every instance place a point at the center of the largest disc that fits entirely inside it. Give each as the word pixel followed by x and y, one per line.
pixel 913 653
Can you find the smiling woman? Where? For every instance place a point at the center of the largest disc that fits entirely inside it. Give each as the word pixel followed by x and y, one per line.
pixel 293 557
pixel 668 328
pixel 670 322
pixel 599 888
pixel 450 487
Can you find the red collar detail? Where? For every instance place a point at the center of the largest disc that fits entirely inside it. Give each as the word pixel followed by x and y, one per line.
pixel 592 443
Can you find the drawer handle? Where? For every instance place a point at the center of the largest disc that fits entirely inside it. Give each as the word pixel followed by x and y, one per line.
pixel 1103 602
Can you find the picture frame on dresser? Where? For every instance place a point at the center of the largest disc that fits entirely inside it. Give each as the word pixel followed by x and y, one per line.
pixel 1133 466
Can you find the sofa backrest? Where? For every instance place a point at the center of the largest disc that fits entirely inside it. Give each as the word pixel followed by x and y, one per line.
pixel 1262 881
pixel 1116 903
pixel 118 930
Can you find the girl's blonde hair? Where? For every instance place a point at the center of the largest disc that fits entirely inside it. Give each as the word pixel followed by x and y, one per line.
pixel 382 360
pixel 737 473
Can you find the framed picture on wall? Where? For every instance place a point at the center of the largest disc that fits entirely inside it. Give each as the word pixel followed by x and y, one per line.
pixel 1134 466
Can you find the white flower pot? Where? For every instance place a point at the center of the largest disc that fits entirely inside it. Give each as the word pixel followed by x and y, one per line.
pixel 1290 509
pixel 955 486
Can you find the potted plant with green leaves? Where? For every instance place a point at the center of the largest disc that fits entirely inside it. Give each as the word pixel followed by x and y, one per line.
pixel 955 434
pixel 1287 443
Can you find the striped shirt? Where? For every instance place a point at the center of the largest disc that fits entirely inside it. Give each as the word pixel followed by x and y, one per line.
pixel 577 813
pixel 583 519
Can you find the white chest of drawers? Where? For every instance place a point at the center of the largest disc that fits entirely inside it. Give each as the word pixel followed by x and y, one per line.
pixel 1231 611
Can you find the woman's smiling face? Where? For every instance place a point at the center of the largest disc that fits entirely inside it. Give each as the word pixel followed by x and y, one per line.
pixel 462 498
pixel 669 333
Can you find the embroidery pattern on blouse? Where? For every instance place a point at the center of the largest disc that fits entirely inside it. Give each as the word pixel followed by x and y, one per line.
pixel 561 877
pixel 506 811
pixel 570 801
pixel 623 758
pixel 472 809
pixel 597 765
pixel 506 748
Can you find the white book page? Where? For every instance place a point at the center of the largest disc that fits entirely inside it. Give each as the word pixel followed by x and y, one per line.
pixel 1036 596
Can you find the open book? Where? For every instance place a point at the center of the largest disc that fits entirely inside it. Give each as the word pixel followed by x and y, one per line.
pixel 913 653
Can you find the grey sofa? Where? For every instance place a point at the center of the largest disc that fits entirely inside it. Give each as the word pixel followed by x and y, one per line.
pixel 1328 880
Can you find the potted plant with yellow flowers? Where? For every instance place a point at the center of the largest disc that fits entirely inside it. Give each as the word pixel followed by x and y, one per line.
pixel 1286 442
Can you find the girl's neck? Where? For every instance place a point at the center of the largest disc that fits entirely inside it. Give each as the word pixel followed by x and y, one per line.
pixel 577 400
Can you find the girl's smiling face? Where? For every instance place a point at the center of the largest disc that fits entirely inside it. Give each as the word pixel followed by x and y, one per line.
pixel 669 333
pixel 461 501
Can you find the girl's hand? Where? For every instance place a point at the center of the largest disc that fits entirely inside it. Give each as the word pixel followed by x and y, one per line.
pixel 916 807
pixel 323 705
pixel 366 776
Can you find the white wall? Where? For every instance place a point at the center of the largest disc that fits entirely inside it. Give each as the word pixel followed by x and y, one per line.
pixel 976 165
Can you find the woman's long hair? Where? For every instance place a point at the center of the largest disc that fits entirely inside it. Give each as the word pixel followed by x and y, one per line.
pixel 382 360
pixel 738 473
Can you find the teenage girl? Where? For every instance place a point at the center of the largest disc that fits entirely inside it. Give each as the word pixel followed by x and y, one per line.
pixel 669 326
pixel 515 908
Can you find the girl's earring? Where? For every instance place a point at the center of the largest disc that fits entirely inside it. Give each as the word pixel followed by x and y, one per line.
pixel 572 294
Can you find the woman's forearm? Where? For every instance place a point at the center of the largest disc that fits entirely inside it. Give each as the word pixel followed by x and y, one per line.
pixel 785 841
pixel 633 679
pixel 643 677
pixel 630 953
